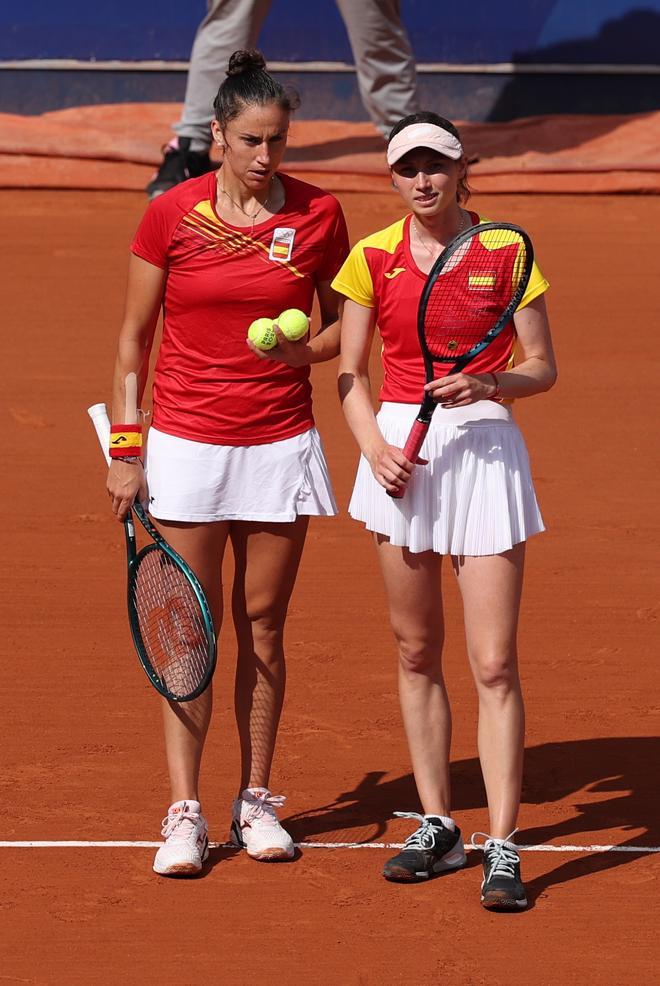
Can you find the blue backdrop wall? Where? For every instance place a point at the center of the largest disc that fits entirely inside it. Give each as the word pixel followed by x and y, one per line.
pixel 482 31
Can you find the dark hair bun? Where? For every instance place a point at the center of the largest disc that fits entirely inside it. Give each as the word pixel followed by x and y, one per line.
pixel 248 60
pixel 249 84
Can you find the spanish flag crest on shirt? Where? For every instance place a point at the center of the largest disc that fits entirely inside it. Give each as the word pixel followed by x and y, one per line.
pixel 281 246
pixel 483 281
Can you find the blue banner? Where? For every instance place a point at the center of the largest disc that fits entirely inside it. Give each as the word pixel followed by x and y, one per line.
pixel 528 31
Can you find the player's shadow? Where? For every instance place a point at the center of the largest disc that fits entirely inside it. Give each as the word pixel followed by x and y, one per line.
pixel 217 855
pixel 606 786
pixel 632 37
pixel 226 854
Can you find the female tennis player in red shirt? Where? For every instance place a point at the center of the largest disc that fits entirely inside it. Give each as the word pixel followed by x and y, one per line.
pixel 474 500
pixel 233 454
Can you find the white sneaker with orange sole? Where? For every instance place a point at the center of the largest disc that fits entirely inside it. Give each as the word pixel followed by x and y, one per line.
pixel 256 828
pixel 186 840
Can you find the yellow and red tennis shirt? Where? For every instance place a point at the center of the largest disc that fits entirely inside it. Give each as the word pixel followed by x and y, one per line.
pixel 380 273
pixel 208 385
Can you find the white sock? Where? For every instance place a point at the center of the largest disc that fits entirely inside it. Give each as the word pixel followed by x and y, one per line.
pixel 448 823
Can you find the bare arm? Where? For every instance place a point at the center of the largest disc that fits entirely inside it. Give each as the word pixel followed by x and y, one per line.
pixel 324 345
pixel 537 370
pixel 535 373
pixel 388 463
pixel 144 295
pixel 143 300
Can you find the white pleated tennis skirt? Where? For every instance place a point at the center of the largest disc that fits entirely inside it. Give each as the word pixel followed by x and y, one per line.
pixel 475 496
pixel 200 483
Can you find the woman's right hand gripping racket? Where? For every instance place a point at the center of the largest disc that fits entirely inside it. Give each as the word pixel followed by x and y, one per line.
pixel 169 616
pixel 470 296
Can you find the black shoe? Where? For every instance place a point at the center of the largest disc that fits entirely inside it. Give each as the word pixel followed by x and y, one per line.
pixel 431 849
pixel 502 889
pixel 178 164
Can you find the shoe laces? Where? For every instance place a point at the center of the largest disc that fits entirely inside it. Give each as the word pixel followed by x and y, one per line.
pixel 501 858
pixel 181 825
pixel 424 836
pixel 261 807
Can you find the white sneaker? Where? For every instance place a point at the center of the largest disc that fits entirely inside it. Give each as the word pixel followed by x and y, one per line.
pixel 256 828
pixel 186 840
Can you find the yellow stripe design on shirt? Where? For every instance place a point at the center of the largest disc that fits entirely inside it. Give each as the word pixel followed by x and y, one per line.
pixel 203 220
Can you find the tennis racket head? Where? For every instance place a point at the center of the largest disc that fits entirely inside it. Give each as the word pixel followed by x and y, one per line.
pixel 472 293
pixel 170 621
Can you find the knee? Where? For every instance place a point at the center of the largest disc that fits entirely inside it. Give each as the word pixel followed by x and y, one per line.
pixel 495 673
pixel 260 625
pixel 419 655
pixel 266 625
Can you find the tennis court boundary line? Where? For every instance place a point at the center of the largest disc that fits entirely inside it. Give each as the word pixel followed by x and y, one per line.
pixel 137 844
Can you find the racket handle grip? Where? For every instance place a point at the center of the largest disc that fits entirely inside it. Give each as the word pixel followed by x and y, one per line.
pixel 99 415
pixel 415 440
pixel 411 450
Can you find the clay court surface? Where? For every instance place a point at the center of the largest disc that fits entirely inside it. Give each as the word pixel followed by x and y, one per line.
pixel 81 748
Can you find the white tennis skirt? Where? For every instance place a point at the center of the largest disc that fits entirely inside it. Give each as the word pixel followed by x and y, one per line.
pixel 200 483
pixel 475 496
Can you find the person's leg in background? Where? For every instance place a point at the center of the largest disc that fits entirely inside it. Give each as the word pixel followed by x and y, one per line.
pixel 384 60
pixel 228 26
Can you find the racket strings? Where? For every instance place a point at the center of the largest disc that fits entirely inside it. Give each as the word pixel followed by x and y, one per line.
pixel 171 623
pixel 480 285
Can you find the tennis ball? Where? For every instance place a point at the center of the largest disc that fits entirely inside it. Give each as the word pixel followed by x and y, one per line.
pixel 293 323
pixel 261 333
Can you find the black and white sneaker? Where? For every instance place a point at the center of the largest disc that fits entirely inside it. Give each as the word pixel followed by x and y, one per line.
pixel 431 849
pixel 178 164
pixel 502 889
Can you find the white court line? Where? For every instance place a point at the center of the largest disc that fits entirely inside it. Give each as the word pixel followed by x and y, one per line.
pixel 75 844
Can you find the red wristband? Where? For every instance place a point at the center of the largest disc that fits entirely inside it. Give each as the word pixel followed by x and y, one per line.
pixel 125 439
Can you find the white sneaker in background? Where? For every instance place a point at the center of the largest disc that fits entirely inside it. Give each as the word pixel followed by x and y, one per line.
pixel 186 840
pixel 256 828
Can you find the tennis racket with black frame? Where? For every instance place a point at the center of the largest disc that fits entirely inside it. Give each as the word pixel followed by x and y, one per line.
pixel 169 615
pixel 471 294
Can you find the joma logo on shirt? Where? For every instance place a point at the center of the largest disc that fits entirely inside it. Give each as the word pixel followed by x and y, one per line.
pixel 395 272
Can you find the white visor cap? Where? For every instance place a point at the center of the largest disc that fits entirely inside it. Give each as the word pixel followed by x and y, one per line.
pixel 423 135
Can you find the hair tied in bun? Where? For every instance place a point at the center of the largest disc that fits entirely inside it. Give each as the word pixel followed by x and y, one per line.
pixel 249 84
pixel 246 60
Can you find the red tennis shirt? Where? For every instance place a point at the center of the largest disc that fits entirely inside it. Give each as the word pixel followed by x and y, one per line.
pixel 208 385
pixel 381 273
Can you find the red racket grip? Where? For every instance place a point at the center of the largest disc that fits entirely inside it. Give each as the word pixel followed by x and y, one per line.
pixel 411 450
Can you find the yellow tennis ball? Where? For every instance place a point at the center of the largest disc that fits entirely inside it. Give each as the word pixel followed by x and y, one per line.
pixel 293 323
pixel 261 333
